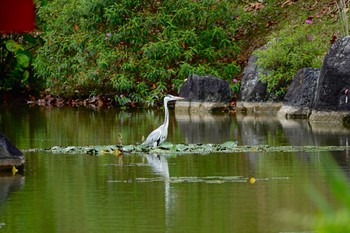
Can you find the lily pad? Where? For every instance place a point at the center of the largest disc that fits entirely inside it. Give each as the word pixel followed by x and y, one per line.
pixel 181 147
pixel 208 147
pixel 168 148
pixel 166 145
pixel 128 148
pixel 228 145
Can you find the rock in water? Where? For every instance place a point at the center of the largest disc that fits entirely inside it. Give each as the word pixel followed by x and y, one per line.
pixel 252 88
pixel 204 94
pixel 332 100
pixel 253 95
pixel 333 89
pixel 206 89
pixel 7 149
pixel 10 155
pixel 301 93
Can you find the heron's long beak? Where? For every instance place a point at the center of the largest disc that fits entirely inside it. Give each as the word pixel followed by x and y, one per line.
pixel 178 98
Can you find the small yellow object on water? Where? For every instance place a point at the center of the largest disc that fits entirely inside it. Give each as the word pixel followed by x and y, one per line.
pixel 117 152
pixel 103 152
pixel 252 180
pixel 14 170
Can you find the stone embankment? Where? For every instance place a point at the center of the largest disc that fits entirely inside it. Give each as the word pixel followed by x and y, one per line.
pixel 316 94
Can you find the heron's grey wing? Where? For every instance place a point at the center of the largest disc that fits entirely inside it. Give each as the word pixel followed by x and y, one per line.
pixel 153 137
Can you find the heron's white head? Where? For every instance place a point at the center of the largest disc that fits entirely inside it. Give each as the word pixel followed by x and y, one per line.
pixel 172 98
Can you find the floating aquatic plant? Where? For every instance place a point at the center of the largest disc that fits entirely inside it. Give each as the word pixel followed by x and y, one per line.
pixel 168 148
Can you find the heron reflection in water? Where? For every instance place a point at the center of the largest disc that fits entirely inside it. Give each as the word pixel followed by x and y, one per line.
pixel 158 136
pixel 159 164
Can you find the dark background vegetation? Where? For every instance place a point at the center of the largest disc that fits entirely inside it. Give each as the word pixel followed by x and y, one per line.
pixel 137 51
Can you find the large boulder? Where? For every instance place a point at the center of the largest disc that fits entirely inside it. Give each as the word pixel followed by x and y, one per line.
pixel 9 154
pixel 333 88
pixel 206 89
pixel 298 101
pixel 204 93
pixel 334 78
pixel 252 88
pixel 253 95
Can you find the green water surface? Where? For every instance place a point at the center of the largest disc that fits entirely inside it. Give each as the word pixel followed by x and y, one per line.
pixel 160 193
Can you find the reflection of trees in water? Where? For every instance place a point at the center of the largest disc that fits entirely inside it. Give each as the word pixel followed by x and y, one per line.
pixel 258 131
pixel 204 127
pixel 275 131
pixel 262 130
pixel 9 184
pixel 39 127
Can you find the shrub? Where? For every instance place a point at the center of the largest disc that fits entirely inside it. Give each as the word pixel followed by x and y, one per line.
pixel 137 50
pixel 342 6
pixel 15 67
pixel 289 50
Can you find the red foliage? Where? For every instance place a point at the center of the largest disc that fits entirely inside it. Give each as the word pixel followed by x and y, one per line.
pixel 17 16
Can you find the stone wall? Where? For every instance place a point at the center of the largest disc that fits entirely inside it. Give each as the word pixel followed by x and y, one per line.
pixel 317 94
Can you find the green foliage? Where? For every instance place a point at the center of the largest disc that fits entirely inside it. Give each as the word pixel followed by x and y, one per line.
pixel 135 49
pixel 343 17
pixel 235 86
pixel 15 67
pixel 289 50
pixel 334 213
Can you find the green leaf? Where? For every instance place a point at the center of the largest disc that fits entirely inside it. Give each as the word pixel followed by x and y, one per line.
pixel 23 59
pixel 12 46
pixel 25 75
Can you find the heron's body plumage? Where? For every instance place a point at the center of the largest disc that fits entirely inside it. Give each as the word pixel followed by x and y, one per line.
pixel 159 135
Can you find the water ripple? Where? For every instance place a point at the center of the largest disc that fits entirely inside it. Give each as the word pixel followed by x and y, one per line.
pixel 207 179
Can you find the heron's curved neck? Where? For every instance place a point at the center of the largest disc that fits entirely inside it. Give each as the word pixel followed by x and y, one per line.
pixel 166 117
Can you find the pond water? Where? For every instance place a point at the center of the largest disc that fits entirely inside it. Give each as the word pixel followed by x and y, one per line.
pixel 161 193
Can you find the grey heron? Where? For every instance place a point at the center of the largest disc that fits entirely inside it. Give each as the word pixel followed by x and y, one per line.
pixel 157 136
